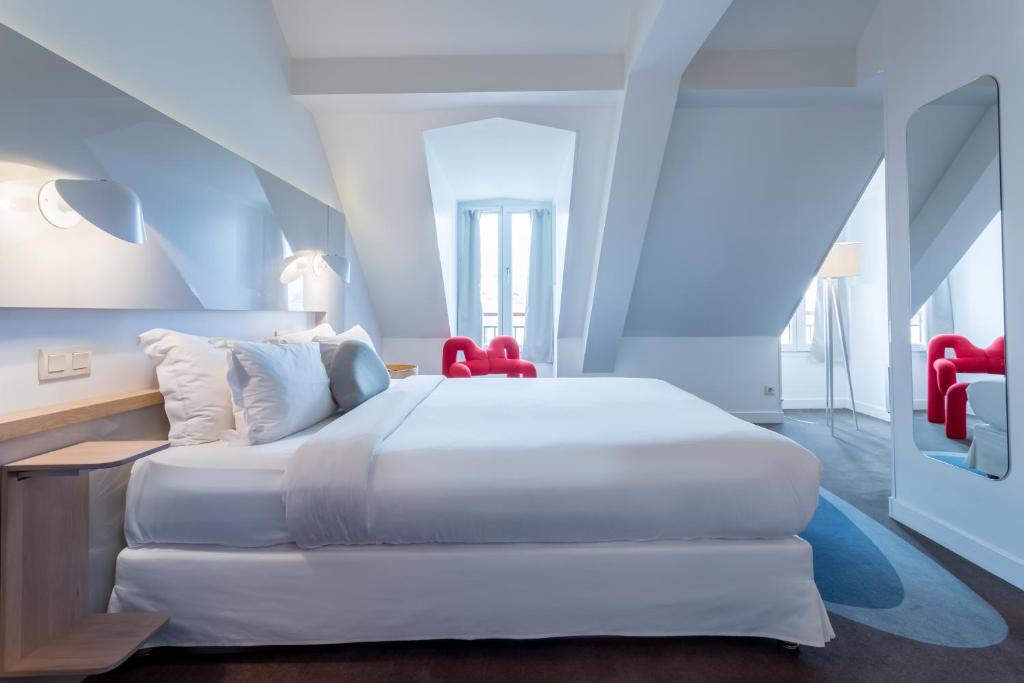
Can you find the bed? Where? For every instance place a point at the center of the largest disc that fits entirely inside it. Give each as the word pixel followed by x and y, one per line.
pixel 481 508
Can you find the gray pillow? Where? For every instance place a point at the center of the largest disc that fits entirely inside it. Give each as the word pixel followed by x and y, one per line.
pixel 357 374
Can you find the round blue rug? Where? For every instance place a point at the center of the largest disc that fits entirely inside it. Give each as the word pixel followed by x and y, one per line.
pixel 868 574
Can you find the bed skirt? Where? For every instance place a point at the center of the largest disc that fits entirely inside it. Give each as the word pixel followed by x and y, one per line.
pixel 286 596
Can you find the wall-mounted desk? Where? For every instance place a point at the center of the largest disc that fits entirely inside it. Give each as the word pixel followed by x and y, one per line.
pixel 44 625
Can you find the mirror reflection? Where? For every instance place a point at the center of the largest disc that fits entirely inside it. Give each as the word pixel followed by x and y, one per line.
pixel 107 203
pixel 956 245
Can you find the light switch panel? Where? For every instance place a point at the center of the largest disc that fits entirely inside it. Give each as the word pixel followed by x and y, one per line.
pixel 81 360
pixel 62 363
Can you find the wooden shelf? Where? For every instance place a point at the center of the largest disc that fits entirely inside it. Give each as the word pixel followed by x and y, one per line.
pixel 36 420
pixel 45 627
pixel 93 644
pixel 88 455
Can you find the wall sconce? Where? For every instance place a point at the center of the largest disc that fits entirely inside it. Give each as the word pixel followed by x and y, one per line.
pixel 300 263
pixel 339 264
pixel 110 206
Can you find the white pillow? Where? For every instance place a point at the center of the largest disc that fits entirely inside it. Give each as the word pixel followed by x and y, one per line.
pixel 276 389
pixel 192 376
pixel 321 330
pixel 329 343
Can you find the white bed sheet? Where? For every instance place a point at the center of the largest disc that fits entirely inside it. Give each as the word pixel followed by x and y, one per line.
pixel 287 596
pixel 214 493
pixel 545 460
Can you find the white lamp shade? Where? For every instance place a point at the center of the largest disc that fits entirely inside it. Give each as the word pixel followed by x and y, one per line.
pixel 843 260
pixel 109 206
pixel 296 266
pixel 339 264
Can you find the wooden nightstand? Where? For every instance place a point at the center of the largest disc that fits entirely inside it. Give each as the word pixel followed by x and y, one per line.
pixel 402 370
pixel 44 625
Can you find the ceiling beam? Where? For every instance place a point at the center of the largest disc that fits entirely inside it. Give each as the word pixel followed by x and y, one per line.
pixel 462 74
pixel 666 43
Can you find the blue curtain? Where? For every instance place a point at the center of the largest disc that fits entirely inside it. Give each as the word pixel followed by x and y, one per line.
pixel 469 309
pixel 539 343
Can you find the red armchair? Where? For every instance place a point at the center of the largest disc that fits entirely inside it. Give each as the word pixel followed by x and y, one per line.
pixel 947 398
pixel 500 357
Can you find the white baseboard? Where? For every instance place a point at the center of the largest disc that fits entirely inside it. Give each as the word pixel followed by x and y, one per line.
pixel 868 409
pixel 761 417
pixel 1007 567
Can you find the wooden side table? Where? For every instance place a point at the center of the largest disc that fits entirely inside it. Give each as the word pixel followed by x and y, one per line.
pixel 402 370
pixel 44 625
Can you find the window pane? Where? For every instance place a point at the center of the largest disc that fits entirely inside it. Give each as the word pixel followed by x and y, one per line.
pixel 521 225
pixel 490 272
pixel 810 303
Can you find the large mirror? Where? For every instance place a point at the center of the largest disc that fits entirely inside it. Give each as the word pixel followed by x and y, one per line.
pixel 217 228
pixel 957 292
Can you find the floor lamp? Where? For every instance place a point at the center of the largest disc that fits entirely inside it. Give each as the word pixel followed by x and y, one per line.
pixel 843 261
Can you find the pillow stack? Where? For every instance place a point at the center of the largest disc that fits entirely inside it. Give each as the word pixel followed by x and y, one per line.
pixel 276 389
pixel 191 374
pixel 257 392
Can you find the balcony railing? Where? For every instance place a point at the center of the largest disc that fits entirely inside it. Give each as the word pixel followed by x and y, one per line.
pixel 518 327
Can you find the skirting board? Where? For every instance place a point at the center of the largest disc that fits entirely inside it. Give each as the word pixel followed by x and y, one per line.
pixel 984 554
pixel 761 417
pixel 868 409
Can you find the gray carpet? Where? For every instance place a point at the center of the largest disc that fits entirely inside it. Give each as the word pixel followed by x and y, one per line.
pixel 855 468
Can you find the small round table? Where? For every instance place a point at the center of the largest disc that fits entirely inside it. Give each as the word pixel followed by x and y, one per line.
pixel 402 370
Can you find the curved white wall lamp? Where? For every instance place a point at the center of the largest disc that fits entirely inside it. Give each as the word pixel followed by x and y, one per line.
pixel 303 262
pixel 110 206
pixel 339 264
pixel 298 265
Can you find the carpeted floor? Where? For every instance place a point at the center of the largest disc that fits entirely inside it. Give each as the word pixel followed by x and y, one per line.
pixel 892 581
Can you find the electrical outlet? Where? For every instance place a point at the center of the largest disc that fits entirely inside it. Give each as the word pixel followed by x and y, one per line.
pixel 769 389
pixel 62 363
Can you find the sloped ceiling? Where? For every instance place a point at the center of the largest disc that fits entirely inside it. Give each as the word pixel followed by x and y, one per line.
pixel 749 200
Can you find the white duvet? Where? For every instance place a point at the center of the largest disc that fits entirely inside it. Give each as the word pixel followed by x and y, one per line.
pixel 544 460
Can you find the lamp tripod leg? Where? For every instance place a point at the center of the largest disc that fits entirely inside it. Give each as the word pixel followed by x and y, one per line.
pixel 841 326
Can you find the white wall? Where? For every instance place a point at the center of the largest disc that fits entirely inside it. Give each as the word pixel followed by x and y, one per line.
pixel 730 372
pixel 803 378
pixel 933 47
pixel 379 161
pixel 219 68
pixel 976 283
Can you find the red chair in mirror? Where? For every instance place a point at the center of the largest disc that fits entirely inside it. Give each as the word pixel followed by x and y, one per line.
pixel 947 397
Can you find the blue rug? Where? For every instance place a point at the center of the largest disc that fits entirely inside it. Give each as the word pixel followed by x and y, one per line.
pixel 955 459
pixel 868 574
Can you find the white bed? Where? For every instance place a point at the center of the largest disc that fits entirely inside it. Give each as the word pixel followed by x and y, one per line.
pixel 462 508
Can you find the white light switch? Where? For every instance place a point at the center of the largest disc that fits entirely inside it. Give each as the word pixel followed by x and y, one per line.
pixel 56 363
pixel 81 360
pixel 61 363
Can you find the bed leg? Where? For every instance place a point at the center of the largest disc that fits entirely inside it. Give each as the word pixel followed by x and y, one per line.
pixel 789 646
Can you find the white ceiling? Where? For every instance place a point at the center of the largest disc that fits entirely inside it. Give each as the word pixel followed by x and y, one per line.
pixel 384 28
pixel 502 158
pixel 791 24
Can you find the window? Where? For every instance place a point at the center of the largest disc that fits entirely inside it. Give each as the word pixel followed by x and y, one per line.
pixel 506 232
pixel 799 333
pixel 917 332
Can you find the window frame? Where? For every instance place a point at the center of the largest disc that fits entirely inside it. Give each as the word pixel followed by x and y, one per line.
pixel 798 325
pixel 505 207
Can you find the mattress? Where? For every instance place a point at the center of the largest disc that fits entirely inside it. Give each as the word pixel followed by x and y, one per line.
pixel 214 493
pixel 556 460
pixel 287 596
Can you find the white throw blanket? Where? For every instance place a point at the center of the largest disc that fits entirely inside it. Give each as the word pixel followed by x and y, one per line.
pixel 544 460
